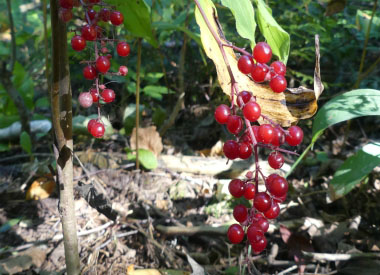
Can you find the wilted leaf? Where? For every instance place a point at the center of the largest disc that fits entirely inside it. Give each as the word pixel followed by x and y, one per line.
pixel 285 108
pixel 40 189
pixel 149 139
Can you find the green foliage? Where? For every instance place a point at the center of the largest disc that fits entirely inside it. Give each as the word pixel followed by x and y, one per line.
pixel 137 18
pixel 245 18
pixel 355 169
pixel 353 104
pixel 156 91
pixel 129 117
pixel 275 35
pixel 363 18
pixel 146 158
pixel 26 142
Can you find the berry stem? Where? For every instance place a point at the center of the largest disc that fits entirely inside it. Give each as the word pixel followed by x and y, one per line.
pixel 238 49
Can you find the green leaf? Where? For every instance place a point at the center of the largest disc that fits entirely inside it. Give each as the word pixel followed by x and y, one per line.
pixel 362 21
pixel 42 102
pixel 9 224
pixel 172 26
pixel 136 18
pixel 26 142
pixel 4 147
pixel 353 104
pixel 146 158
pixel 156 91
pixel 276 37
pixel 244 16
pixel 354 170
pixel 24 84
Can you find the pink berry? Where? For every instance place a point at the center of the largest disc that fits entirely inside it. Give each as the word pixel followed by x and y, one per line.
pixel 235 233
pixel 252 111
pixel 222 112
pixel 123 70
pixel 85 99
pixel 236 188
pixel 262 52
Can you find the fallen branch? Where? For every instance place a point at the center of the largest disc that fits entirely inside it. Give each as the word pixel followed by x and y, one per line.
pixel 189 231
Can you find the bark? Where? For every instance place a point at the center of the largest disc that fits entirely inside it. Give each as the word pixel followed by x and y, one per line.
pixel 61 98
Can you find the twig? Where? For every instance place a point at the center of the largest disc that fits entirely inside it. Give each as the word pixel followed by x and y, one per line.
pixel 189 231
pixel 288 270
pixel 339 257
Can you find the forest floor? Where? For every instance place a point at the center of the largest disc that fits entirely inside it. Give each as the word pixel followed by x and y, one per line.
pixel 173 220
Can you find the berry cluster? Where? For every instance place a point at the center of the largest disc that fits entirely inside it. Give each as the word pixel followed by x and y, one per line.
pixel 97 15
pixel 265 205
pixel 260 71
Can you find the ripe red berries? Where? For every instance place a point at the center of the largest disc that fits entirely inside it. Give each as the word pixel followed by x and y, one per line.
pixel 295 136
pixel 252 111
pixel 123 49
pixel 78 43
pixel 245 64
pixel 103 64
pixel 89 32
pixel 262 52
pixel 89 72
pixel 222 112
pixel 116 18
pixel 235 233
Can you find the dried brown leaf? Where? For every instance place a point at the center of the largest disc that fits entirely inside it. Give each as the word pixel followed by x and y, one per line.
pixel 149 139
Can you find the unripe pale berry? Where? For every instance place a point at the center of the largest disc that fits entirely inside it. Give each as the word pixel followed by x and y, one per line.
pixel 85 99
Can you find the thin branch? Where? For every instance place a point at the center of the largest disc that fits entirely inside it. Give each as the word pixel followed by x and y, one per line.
pixel 13 35
pixel 138 101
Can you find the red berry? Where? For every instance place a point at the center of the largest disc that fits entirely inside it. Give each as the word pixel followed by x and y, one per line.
pixel 123 70
pixel 261 222
pixel 103 64
pixel 245 150
pixel 108 95
pixel 94 94
pixel 249 192
pixel 270 178
pixel 236 188
pixel 109 56
pixel 245 96
pixel 231 149
pixel 240 213
pixel 123 49
pixel 85 99
pixel 278 67
pixel 254 233
pixel 65 14
pixel 252 111
pixel 276 160
pixel 105 14
pixel 94 1
pixel 89 72
pixel 259 71
pixel 262 52
pixel 295 136
pixel 67 4
pixel 259 245
pixel 262 201
pixel 89 32
pixel 273 211
pixel 90 124
pixel 280 199
pixel 265 134
pixel 78 43
pixel 91 14
pixel 245 64
pixel 278 137
pixel 234 124
pixel 116 18
pixel 235 233
pixel 278 187
pixel 222 112
pixel 278 84
pixel 97 130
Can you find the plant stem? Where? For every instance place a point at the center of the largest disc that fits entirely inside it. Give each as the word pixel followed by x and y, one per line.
pixel 138 101
pixel 61 104
pixel 46 44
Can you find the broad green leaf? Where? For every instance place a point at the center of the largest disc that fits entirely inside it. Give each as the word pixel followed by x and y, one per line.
pixel 156 91
pixel 136 18
pixel 146 158
pixel 26 142
pixel 244 17
pixel 129 117
pixel 276 37
pixel 353 104
pixel 43 102
pixel 354 170
pixel 24 84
